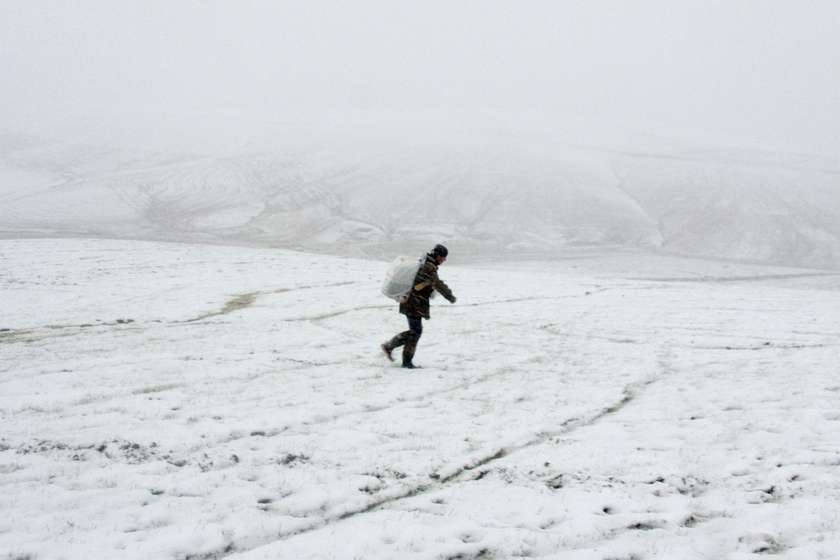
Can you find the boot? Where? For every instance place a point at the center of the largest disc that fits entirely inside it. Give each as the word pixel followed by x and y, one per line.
pixel 408 355
pixel 390 345
pixel 386 349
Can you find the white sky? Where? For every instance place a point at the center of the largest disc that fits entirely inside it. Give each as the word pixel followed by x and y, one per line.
pixel 748 73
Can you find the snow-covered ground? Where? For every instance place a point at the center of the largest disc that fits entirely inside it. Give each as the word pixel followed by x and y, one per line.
pixel 186 401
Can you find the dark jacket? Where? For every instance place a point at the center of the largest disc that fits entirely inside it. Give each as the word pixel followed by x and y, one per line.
pixel 416 304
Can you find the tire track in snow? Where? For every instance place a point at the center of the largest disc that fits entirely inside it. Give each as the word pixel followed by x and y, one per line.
pixel 629 393
pixel 391 306
pixel 300 428
pixel 247 299
pixel 752 278
pixel 235 303
pixel 441 479
pixel 35 334
pixel 332 314
pixel 519 300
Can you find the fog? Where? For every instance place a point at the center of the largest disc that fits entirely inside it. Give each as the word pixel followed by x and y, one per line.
pixel 723 73
pixel 705 128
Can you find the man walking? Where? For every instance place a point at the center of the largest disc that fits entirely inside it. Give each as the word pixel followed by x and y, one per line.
pixel 415 306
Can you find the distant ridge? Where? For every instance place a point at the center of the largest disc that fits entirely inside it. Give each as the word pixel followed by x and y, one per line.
pixel 499 197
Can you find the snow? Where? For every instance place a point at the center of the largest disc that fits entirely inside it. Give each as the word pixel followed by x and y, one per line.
pixel 163 400
pixel 367 192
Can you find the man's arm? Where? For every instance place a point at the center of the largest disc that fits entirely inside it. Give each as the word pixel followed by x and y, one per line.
pixel 427 276
pixel 443 289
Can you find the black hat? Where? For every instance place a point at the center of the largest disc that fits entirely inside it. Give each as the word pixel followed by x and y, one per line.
pixel 439 251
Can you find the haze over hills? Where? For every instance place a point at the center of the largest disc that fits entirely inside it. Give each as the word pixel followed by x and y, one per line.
pixel 383 191
pixel 376 128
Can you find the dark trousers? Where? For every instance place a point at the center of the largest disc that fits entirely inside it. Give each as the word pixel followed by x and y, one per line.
pixel 415 327
pixel 408 339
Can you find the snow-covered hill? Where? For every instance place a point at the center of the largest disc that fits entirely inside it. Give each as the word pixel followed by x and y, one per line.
pixel 181 402
pixel 379 194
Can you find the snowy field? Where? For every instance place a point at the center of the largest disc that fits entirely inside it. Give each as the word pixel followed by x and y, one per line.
pixel 166 401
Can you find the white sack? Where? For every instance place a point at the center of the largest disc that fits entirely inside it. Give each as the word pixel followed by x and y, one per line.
pixel 400 277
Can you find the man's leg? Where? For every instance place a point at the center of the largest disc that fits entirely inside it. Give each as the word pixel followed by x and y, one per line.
pixel 398 340
pixel 389 345
pixel 415 331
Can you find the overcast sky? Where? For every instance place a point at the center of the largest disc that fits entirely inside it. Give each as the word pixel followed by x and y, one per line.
pixel 761 74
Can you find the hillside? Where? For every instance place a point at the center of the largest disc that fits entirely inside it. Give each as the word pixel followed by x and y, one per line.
pixel 389 193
